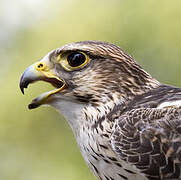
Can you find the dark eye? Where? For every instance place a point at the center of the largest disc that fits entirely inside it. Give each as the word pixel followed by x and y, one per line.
pixel 76 59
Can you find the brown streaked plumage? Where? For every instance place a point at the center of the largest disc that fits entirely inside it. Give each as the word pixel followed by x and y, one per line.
pixel 126 123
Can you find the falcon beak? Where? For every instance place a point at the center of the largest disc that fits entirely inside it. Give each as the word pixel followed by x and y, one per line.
pixel 40 72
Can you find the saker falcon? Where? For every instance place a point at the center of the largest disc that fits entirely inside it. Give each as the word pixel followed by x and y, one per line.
pixel 126 123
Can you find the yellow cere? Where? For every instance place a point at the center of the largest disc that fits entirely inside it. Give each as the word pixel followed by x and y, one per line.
pixel 43 68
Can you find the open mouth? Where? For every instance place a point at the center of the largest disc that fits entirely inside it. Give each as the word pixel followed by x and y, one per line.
pixel 55 82
pixel 44 98
pixel 30 76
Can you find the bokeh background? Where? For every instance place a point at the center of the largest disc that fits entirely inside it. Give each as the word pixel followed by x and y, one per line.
pixel 38 144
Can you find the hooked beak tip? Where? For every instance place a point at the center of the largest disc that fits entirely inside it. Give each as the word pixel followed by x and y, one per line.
pixel 23 84
pixel 29 76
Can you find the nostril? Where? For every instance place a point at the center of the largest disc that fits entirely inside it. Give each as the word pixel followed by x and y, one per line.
pixel 40 65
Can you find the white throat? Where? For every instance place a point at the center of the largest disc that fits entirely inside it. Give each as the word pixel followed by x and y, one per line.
pixel 73 113
pixel 78 114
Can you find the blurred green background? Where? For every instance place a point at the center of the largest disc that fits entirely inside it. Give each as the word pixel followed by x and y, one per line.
pixel 38 144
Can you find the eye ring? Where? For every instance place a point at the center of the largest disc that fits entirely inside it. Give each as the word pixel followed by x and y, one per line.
pixel 73 60
pixel 76 60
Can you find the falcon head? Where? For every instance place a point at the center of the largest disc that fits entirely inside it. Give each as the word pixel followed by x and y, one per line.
pixel 87 73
